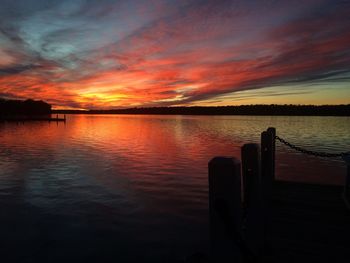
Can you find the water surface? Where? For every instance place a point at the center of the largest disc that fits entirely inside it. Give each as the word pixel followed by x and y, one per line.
pixel 121 188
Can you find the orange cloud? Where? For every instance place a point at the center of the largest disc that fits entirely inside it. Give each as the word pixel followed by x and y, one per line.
pixel 174 55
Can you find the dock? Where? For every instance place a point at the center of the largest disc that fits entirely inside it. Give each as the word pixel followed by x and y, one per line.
pixel 256 218
pixel 309 223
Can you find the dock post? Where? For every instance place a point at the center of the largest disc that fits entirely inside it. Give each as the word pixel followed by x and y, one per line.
pixel 267 178
pixel 273 147
pixel 252 188
pixel 268 159
pixel 225 209
pixel 346 193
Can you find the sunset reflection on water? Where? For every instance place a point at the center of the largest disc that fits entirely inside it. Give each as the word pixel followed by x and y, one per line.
pixel 102 184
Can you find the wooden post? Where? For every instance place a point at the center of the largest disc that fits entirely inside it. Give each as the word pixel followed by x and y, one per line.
pixel 225 211
pixel 252 187
pixel 267 159
pixel 346 158
pixel 273 134
pixel 347 184
pixel 268 178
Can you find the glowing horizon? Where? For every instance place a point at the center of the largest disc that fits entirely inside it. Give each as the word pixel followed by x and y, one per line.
pixel 85 54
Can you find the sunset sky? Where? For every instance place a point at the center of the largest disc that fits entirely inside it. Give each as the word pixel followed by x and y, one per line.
pixel 89 54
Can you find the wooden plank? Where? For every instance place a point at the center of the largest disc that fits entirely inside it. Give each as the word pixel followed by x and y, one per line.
pixel 310 222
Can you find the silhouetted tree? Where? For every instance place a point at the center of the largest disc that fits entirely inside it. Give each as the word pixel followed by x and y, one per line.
pixel 25 108
pixel 273 109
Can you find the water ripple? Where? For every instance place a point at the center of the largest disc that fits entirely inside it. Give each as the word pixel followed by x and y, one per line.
pixel 138 181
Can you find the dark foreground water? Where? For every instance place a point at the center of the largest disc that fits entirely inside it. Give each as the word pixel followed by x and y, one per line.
pixel 134 188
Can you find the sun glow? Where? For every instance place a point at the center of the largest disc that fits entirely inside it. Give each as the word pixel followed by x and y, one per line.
pixel 174 54
pixel 103 98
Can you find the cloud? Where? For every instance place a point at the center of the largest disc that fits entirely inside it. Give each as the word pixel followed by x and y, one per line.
pixel 17 69
pixel 111 53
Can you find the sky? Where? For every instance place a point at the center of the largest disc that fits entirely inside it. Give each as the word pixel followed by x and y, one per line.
pixel 103 54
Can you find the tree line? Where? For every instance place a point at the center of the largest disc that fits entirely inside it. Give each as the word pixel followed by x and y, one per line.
pixel 272 110
pixel 23 107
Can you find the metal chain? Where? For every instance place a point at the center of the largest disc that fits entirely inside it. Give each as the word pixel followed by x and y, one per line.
pixel 318 154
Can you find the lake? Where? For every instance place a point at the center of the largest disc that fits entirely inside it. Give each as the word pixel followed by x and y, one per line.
pixel 133 188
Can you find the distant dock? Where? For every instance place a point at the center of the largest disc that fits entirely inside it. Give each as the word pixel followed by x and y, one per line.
pixel 33 118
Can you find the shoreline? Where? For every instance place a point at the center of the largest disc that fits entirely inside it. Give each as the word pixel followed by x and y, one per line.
pixel 163 114
pixel 244 110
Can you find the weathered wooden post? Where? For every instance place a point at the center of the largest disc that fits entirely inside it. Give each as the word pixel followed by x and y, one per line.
pixel 268 178
pixel 268 159
pixel 346 193
pixel 225 209
pixel 273 134
pixel 252 187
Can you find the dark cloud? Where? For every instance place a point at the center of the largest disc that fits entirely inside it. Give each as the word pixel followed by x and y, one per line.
pixel 11 33
pixel 21 9
pixel 173 52
pixel 17 69
pixel 10 96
